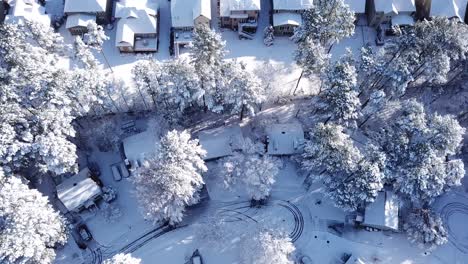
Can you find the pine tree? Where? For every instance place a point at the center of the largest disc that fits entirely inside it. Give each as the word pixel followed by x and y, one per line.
pixel 425 228
pixel 29 226
pixel 267 247
pixel 171 180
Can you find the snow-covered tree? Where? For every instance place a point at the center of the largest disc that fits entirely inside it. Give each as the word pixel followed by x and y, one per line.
pixel 146 76
pixel 425 228
pixel 245 91
pixel 419 150
pixel 207 57
pixel 83 54
pixel 327 22
pixel 267 247
pixel 95 36
pixel 171 180
pixel 268 35
pixel 312 57
pixel 122 259
pixel 340 97
pixel 30 228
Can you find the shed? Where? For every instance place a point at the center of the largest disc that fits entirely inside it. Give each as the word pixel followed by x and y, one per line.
pixel 140 146
pixel 383 212
pixel 78 192
pixel 221 141
pixel 285 139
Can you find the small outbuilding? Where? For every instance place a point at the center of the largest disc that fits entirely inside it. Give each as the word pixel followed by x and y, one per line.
pixel 221 141
pixel 285 139
pixel 140 146
pixel 383 212
pixel 79 192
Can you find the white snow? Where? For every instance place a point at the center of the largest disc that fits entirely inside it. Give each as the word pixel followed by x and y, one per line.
pixel 383 212
pixel 227 6
pixel 449 8
pixel 292 4
pixel 138 147
pixel 280 19
pixel 221 141
pixel 285 139
pixel 28 10
pixel 184 12
pixel 85 6
pixel 394 6
pixel 402 19
pixel 357 6
pixel 77 190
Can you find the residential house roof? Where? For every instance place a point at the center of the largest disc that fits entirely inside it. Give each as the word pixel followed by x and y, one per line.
pixel 383 212
pixel 285 139
pixel 357 6
pixel 29 10
pixel 292 4
pixel 85 6
pixel 227 6
pixel 75 191
pixel 135 17
pixel 395 6
pixel 286 18
pixel 184 12
pixel 79 20
pixel 221 141
pixel 449 8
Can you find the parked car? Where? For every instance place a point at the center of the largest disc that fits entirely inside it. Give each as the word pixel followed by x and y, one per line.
pixel 84 232
pixel 196 258
pixel 124 170
pixel 116 173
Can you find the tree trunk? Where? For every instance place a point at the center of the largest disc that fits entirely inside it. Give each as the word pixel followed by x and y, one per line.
pixel 298 80
pixel 241 116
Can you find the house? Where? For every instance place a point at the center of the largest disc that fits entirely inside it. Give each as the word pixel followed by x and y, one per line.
pixel 137 26
pixel 80 12
pixel 26 10
pixel 235 14
pixel 285 139
pixel 185 16
pixel 449 8
pixel 287 15
pixel 221 141
pixel 140 146
pixel 396 12
pixel 383 212
pixel 79 192
pixel 357 6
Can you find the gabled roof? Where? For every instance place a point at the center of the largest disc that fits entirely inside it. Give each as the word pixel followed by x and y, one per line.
pixel 125 8
pixel 29 10
pixel 449 8
pixel 394 6
pixel 85 6
pixel 184 12
pixel 79 20
pixel 77 190
pixel 383 212
pixel 222 141
pixel 283 19
pixel 227 6
pixel 285 139
pixel 292 4
pixel 357 6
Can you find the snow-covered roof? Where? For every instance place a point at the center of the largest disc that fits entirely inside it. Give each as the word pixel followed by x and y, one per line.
pixel 285 139
pixel 221 141
pixel 136 17
pixel 184 12
pixel 395 6
pixel 140 146
pixel 357 6
pixel 85 6
pixel 79 20
pixel 29 10
pixel 280 19
pixel 383 212
pixel 227 6
pixel 75 191
pixel 402 20
pixel 355 260
pixel 449 8
pixel 292 4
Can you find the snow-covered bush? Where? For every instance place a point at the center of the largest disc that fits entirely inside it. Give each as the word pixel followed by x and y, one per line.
pixel 171 180
pixel 29 227
pixel 268 35
pixel 122 259
pixel 425 229
pixel 267 247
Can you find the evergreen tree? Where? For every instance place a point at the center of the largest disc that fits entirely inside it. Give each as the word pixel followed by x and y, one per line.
pixel 425 228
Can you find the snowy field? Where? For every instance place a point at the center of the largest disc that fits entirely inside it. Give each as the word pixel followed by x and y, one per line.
pixel 304 215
